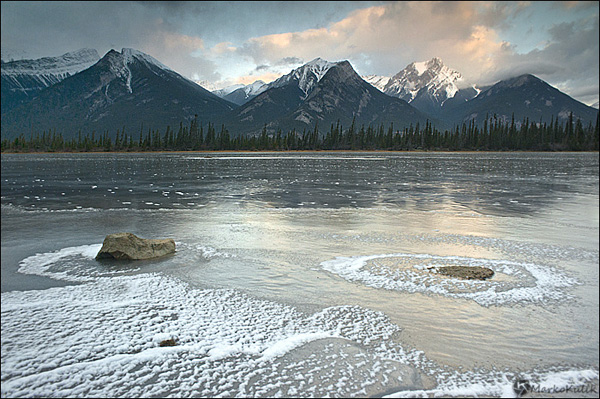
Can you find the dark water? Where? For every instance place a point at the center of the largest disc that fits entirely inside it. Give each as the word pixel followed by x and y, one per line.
pixel 305 272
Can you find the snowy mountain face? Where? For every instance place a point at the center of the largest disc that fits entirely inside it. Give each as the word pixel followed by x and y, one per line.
pixel 240 94
pixel 438 80
pixel 22 80
pixel 306 76
pixel 57 67
pixel 426 85
pixel 378 81
pixel 522 97
pixel 119 64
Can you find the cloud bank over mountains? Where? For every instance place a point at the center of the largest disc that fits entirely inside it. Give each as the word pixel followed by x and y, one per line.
pixel 240 42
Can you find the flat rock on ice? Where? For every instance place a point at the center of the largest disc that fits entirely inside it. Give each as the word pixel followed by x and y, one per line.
pixel 466 272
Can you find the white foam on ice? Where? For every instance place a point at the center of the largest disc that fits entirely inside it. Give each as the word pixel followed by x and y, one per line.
pixel 101 338
pixel 532 282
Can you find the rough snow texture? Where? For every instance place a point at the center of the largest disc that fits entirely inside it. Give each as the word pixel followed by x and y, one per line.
pixel 101 338
pixel 527 282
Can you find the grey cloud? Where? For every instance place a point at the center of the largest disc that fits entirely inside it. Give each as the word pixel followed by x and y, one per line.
pixel 569 61
pixel 289 61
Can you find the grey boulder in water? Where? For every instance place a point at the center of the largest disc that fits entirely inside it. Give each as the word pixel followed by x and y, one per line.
pixel 128 246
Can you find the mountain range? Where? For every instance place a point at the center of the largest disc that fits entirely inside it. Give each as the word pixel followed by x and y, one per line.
pixel 128 90
pixel 134 91
pixel 23 80
pixel 428 86
pixel 321 93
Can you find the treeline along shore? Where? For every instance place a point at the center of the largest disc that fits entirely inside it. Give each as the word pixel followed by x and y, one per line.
pixel 493 135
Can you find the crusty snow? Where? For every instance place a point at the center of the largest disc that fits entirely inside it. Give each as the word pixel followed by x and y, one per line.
pixel 549 283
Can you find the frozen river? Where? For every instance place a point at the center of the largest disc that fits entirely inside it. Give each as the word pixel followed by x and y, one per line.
pixel 300 274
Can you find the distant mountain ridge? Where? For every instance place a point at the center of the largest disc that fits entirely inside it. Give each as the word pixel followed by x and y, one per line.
pixel 133 90
pixel 425 85
pixel 320 93
pixel 305 75
pixel 522 97
pixel 240 94
pixel 130 90
pixel 22 80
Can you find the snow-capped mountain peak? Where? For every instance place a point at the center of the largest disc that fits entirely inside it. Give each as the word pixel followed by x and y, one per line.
pixel 119 64
pixel 307 76
pixel 130 55
pixel 439 80
pixel 427 85
pixel 319 67
pixel 255 88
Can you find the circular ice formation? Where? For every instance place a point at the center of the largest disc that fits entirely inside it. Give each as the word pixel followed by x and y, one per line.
pixel 513 282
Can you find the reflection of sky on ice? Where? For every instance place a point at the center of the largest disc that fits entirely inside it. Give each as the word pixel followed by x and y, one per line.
pixel 491 184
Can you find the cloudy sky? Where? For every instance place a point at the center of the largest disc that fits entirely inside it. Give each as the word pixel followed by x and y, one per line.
pixel 240 42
